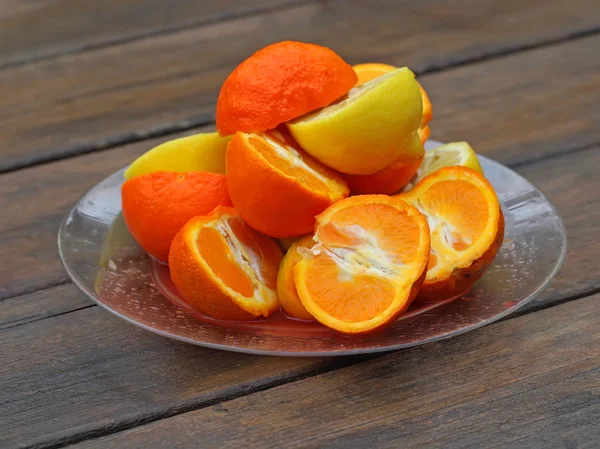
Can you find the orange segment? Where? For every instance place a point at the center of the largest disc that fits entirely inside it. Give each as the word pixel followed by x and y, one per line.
pixel 286 286
pixel 370 257
pixel 346 302
pixel 225 269
pixel 277 188
pixel 467 228
pixel 216 253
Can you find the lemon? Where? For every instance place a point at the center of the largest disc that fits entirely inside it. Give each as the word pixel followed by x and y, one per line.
pixel 449 155
pixel 374 125
pixel 200 152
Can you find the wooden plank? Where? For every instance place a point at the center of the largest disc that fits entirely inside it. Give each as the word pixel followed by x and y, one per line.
pixel 521 107
pixel 88 371
pixel 571 183
pixel 529 382
pixel 35 200
pixel 66 26
pixel 127 353
pixel 94 100
pixel 40 305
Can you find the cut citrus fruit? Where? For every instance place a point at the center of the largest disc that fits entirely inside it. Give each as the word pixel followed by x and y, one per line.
pixel 467 229
pixel 286 287
pixel 427 109
pixel 373 126
pixel 156 205
pixel 225 269
pixel 456 154
pixel 286 243
pixel 276 187
pixel 281 82
pixel 424 133
pixel 387 181
pixel 367 264
pixel 200 152
pixel 366 72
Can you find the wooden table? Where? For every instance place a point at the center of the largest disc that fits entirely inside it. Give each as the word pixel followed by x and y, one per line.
pixel 85 86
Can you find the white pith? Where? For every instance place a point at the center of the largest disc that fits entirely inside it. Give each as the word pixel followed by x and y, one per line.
pixel 352 94
pixel 366 258
pixel 247 260
pixel 291 155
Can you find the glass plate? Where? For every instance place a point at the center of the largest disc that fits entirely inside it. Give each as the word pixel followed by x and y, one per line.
pixel 105 262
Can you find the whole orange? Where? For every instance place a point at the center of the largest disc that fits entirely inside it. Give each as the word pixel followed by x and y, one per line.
pixel 157 205
pixel 280 82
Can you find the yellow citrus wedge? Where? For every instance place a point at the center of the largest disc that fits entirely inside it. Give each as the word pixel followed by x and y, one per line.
pixel 200 152
pixel 366 72
pixel 369 128
pixel 456 154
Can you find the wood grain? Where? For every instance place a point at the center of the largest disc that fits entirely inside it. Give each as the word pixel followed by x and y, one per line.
pixel 93 100
pixel 87 371
pixel 530 382
pixel 35 200
pixel 42 304
pixel 66 26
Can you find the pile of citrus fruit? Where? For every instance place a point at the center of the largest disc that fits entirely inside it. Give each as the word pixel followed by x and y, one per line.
pixel 324 161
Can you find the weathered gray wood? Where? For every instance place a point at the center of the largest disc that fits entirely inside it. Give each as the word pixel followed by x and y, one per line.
pixel 42 29
pixel 521 107
pixel 94 100
pixel 88 371
pixel 42 304
pixel 34 201
pixel 529 382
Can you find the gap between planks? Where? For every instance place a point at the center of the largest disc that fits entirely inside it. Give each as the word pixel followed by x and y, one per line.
pixel 233 393
pixel 208 119
pixel 193 405
pixel 220 18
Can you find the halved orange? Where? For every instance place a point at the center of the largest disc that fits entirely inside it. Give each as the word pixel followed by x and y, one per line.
pixel 225 269
pixel 276 187
pixel 467 229
pixel 367 264
pixel 286 286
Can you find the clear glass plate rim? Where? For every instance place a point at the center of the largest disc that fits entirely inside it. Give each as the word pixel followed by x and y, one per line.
pixel 326 353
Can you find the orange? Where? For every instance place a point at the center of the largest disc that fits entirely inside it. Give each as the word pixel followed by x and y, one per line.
pixel 225 269
pixel 276 187
pixel 367 264
pixel 387 181
pixel 424 134
pixel 368 71
pixel 278 83
pixel 286 286
pixel 467 229
pixel 158 204
pixel 427 109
